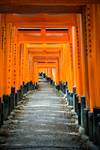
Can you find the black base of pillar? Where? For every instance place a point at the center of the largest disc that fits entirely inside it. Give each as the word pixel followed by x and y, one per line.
pixel 12 102
pixel 74 97
pixel 20 94
pixel 85 123
pixel 2 118
pixel 90 125
pixel 68 97
pixel 18 97
pixel 5 106
pixel 96 120
pixel 76 103
pixel 83 106
pixel 1 113
pixel 71 99
pixel 79 113
pixel 98 134
pixel 16 101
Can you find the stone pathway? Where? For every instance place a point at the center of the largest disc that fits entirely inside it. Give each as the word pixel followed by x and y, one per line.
pixel 43 121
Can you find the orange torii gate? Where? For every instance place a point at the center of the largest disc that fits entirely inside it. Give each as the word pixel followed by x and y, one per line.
pixel 59 38
pixel 85 61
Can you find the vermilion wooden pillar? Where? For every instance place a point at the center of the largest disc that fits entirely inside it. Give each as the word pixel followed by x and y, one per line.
pixel 14 57
pixel 70 60
pixel 17 59
pixel 8 58
pixel 21 49
pixel 54 74
pixel 8 55
pixel 91 54
pixel 35 71
pixel 70 69
pixel 84 57
pixel 30 67
pixel 25 74
pixel 1 54
pixel 92 30
pixel 96 12
pixel 66 61
pixel 57 72
pixel 0 59
pixel 23 64
pixel 77 57
pixel 63 63
pixel 60 65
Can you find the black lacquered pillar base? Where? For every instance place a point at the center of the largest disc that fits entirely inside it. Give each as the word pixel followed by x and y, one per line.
pixel 90 125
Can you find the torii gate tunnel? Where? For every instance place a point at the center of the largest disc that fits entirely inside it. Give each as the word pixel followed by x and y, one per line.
pixel 60 39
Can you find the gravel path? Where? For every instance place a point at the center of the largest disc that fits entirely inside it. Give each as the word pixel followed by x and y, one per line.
pixel 42 121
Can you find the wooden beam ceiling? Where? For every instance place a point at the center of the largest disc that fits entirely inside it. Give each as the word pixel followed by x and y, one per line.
pixel 42 6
